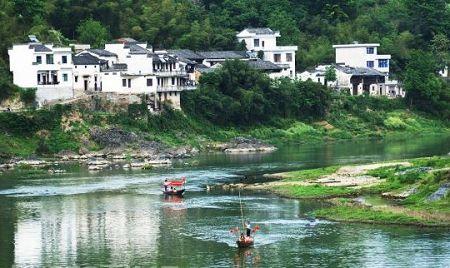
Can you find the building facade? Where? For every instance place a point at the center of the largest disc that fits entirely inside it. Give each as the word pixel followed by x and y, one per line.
pixel 363 56
pixel 45 67
pixel 264 41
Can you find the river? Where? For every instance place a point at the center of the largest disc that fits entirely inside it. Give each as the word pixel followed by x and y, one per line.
pixel 119 218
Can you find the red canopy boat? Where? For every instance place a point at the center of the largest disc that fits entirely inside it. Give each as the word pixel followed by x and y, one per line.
pixel 174 187
pixel 245 242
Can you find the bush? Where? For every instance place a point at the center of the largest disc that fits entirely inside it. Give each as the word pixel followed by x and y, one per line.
pixel 28 95
pixel 395 123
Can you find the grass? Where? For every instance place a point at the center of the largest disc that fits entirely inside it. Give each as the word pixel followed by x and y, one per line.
pixel 426 176
pixel 67 127
pixel 367 215
pixel 309 174
pixel 313 191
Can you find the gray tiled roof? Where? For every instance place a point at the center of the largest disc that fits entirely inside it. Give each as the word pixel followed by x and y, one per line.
pixel 363 71
pixel 40 48
pixel 187 54
pixel 86 59
pixel 264 65
pixel 136 49
pixel 222 54
pixel 102 52
pixel 260 30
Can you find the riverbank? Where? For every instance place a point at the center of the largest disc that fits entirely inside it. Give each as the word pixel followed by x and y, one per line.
pixel 81 130
pixel 413 192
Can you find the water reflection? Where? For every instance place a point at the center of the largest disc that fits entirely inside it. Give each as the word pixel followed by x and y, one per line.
pixel 120 218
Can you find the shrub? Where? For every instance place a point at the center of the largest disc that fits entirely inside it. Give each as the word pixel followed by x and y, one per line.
pixel 395 123
pixel 28 95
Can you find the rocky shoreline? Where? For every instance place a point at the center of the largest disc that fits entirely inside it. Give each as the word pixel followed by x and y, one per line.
pixel 131 151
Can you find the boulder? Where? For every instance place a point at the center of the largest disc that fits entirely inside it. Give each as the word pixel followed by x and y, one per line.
pixel 440 193
pixel 112 137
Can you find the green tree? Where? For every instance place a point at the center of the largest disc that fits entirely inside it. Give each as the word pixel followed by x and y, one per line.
pixel 92 32
pixel 424 89
pixel 330 74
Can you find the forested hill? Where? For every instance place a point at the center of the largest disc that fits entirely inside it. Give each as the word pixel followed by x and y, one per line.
pixel 314 25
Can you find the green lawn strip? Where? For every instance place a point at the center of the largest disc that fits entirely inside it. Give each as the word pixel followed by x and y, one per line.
pixel 313 191
pixel 309 174
pixel 367 215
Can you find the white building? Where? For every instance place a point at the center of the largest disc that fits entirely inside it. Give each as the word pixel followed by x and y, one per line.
pixel 444 72
pixel 47 68
pixel 265 40
pixel 139 70
pixel 362 55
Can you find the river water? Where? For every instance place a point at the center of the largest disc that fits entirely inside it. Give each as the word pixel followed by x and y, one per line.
pixel 119 218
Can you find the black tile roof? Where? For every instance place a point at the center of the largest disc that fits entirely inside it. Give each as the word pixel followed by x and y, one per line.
pixel 136 49
pixel 260 30
pixel 86 59
pixel 264 65
pixel 187 54
pixel 40 48
pixel 102 52
pixel 361 71
pixel 223 54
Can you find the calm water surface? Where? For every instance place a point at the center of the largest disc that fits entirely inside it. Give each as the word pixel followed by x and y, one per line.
pixel 119 218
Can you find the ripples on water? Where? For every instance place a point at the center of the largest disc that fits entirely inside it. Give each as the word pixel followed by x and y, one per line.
pixel 121 219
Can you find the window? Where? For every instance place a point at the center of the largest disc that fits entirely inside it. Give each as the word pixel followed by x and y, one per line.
pixel 124 82
pixel 277 57
pixel 76 78
pixel 289 57
pixel 49 58
pixel 383 63
pixel 370 64
pixel 370 50
pixel 38 59
pixel 85 67
pixel 173 81
pixel 129 82
pixel 262 43
pixel 106 73
pixel 256 42
pixel 65 77
pixel 64 59
pixel 149 82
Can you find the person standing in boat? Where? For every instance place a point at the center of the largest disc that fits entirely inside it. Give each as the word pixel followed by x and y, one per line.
pixel 166 183
pixel 248 228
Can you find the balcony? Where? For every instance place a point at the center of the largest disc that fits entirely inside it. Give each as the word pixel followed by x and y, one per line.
pixel 168 73
pixel 175 88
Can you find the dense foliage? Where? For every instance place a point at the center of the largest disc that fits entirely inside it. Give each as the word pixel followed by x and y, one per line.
pixel 401 26
pixel 236 94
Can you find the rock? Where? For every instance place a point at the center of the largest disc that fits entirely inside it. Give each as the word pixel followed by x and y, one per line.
pixel 96 167
pixel 98 162
pixel 112 137
pixel 401 195
pixel 83 150
pixel 440 193
pixel 246 145
pixel 33 163
pixel 126 166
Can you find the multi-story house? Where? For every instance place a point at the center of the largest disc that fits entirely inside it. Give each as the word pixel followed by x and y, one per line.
pixel 45 67
pixel 264 41
pixel 362 56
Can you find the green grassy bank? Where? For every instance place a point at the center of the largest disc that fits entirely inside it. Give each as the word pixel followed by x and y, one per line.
pixel 49 131
pixel 405 190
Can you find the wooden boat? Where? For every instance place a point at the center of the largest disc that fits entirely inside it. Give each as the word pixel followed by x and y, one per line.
pixel 176 192
pixel 170 187
pixel 245 243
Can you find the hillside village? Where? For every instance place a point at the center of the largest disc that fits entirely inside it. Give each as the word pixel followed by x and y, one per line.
pixel 129 68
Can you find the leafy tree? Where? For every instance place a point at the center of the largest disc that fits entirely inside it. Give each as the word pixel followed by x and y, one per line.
pixel 330 74
pixel 92 32
pixel 425 90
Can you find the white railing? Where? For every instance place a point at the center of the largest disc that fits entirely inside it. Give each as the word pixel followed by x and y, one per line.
pixel 175 88
pixel 170 73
